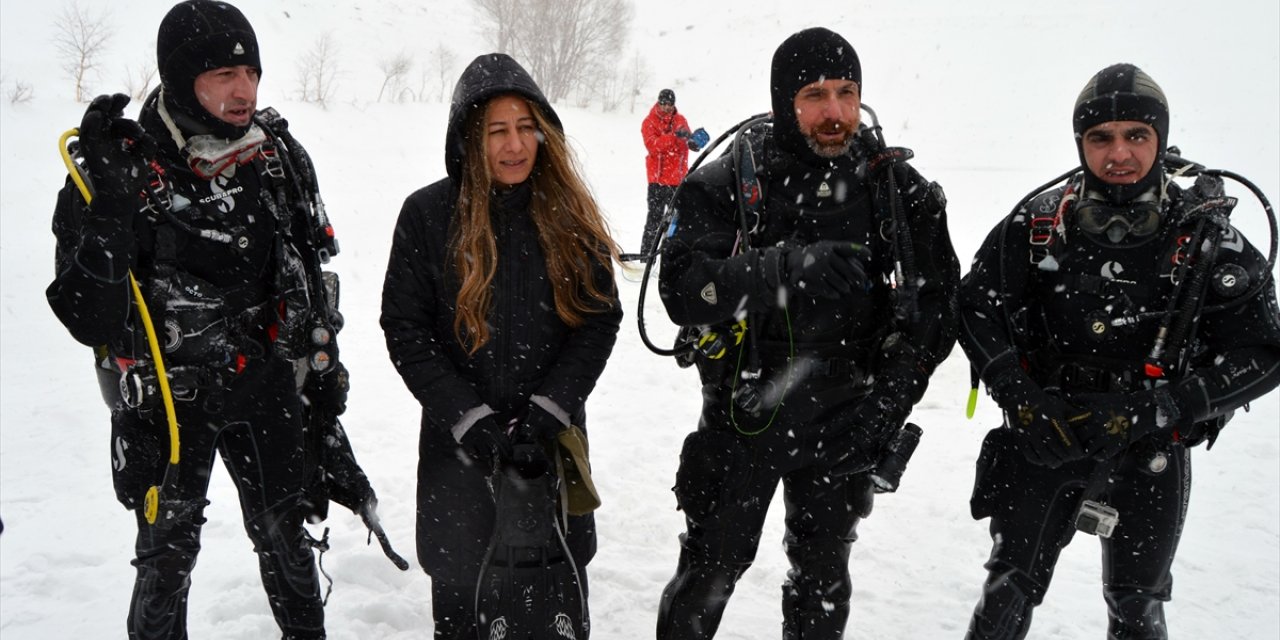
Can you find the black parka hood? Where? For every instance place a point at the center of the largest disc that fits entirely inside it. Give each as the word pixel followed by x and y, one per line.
pixel 487 76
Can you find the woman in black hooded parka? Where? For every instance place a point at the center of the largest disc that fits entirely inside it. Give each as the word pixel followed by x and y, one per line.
pixel 499 309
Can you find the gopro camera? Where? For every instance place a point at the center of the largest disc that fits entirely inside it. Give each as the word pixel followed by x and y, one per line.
pixel 1097 519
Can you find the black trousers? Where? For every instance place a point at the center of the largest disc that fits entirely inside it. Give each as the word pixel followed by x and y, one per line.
pixel 658 198
pixel 257 429
pixel 1032 512
pixel 720 542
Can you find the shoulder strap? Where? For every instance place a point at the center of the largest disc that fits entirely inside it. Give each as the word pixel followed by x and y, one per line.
pixel 750 189
pixel 295 175
pixel 891 213
pixel 1045 232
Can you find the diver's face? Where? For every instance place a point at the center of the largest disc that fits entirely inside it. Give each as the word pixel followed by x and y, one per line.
pixel 828 112
pixel 1120 151
pixel 230 94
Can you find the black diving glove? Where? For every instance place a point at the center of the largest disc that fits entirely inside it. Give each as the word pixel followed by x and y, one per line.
pixel 900 382
pixel 858 446
pixel 827 269
pixel 1117 420
pixel 1041 420
pixel 328 393
pixel 115 151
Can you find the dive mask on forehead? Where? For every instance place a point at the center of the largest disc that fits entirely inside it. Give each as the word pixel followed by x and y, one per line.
pixel 1118 222
pixel 210 155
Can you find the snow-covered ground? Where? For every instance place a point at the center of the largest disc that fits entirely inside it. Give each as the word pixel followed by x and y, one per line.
pixel 982 91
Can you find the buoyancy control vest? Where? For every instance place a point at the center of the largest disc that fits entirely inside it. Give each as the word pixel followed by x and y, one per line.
pixel 230 274
pixel 867 201
pixel 1096 304
pixel 860 198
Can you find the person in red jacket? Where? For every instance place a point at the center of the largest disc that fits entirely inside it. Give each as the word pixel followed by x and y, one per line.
pixel 666 138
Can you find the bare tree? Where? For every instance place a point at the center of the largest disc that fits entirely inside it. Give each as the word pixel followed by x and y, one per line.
pixel 600 84
pixel 612 91
pixel 318 71
pixel 138 79
pixel 637 78
pixel 560 41
pixel 424 80
pixel 20 93
pixel 80 38
pixel 505 15
pixel 441 63
pixel 394 69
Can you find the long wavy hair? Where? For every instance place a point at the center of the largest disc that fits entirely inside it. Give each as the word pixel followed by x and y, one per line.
pixel 571 230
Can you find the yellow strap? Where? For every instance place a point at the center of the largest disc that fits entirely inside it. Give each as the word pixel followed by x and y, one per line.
pixel 972 404
pixel 151 502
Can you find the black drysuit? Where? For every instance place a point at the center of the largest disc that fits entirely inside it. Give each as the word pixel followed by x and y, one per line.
pixel 530 352
pixel 234 396
pixel 1050 304
pixel 820 359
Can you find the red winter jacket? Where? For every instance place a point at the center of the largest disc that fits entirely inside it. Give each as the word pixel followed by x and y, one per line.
pixel 668 158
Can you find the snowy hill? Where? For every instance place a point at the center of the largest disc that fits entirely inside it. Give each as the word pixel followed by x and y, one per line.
pixel 982 91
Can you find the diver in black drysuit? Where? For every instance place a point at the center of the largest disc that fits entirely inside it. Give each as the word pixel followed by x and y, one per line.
pixel 224 306
pixel 1055 341
pixel 838 374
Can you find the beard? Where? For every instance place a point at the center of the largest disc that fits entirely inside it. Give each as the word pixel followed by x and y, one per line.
pixel 831 149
